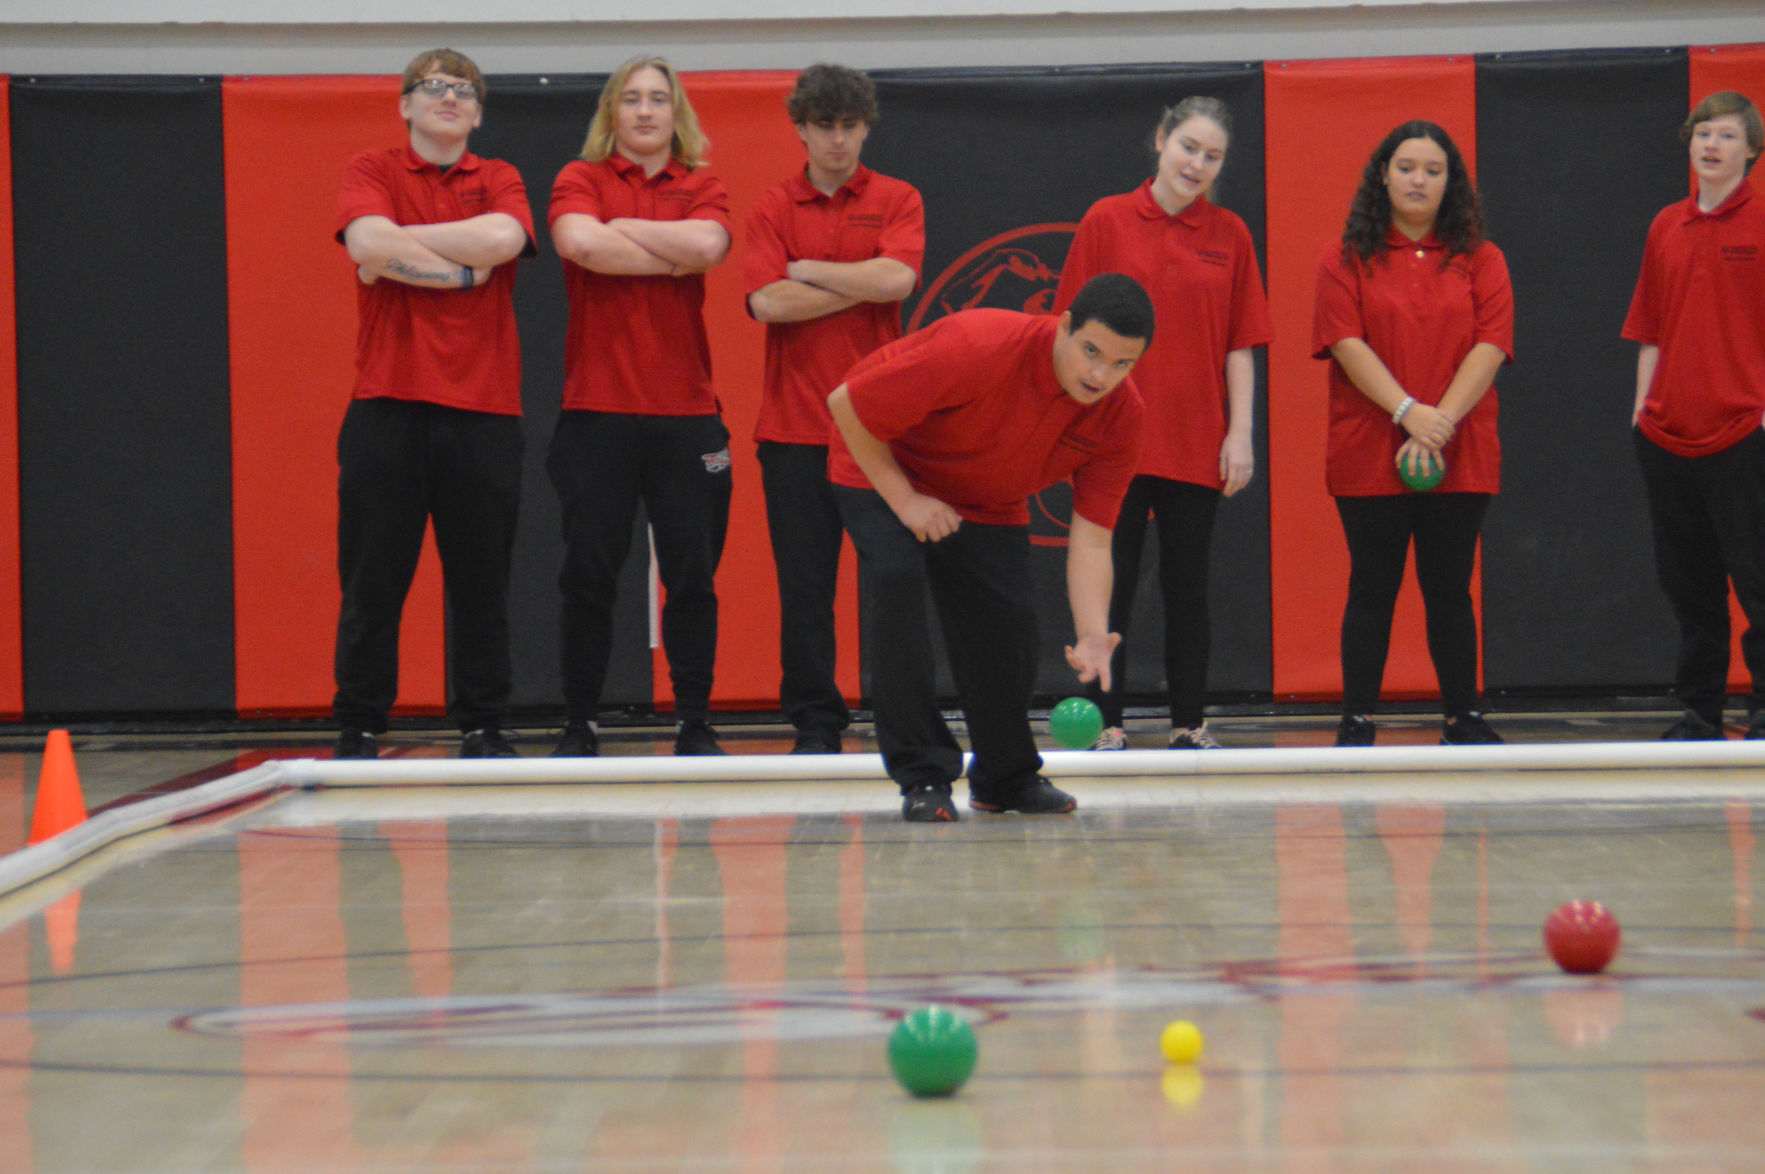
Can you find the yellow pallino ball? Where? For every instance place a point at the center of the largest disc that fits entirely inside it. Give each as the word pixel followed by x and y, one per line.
pixel 1181 1042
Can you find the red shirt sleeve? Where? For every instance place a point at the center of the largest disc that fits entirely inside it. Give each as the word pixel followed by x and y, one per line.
pixel 766 255
pixel 508 195
pixel 1251 325
pixel 366 191
pixel 1493 294
pixel 574 191
pixel 898 386
pixel 903 237
pixel 1099 485
pixel 1336 314
pixel 1082 261
pixel 710 200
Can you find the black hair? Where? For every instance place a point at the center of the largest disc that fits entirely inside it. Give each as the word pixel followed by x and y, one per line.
pixel 827 93
pixel 1118 302
pixel 1458 224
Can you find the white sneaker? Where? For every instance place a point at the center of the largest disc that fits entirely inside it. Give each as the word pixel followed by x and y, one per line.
pixel 1112 738
pixel 1195 739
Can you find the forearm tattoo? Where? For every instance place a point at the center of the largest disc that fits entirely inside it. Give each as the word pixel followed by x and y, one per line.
pixel 411 272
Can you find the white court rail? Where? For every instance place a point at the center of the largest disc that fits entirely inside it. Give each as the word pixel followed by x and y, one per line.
pixel 33 863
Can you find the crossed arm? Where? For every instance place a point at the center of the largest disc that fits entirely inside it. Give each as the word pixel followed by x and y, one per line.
pixel 457 254
pixel 631 246
pixel 814 289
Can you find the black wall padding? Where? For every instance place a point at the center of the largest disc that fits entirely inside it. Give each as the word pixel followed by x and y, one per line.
pixel 1576 154
pixel 124 446
pixel 539 126
pixel 996 150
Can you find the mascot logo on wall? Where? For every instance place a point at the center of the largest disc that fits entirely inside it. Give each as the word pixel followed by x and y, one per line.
pixel 1016 270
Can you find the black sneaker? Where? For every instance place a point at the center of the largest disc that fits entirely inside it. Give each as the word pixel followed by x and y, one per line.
pixel 817 742
pixel 1039 798
pixel 1355 730
pixel 696 737
pixel 487 742
pixel 1692 727
pixel 1469 729
pixel 579 741
pixel 353 742
pixel 928 804
pixel 1756 725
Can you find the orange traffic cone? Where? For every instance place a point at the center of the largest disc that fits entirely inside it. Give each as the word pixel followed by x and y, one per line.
pixel 60 805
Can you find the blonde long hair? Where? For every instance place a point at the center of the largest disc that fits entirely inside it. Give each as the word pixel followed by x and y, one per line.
pixel 690 144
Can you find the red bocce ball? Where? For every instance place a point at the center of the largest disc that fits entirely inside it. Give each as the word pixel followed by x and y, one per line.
pixel 1582 936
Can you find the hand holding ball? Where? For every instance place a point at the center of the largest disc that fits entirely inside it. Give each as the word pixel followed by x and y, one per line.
pixel 1425 473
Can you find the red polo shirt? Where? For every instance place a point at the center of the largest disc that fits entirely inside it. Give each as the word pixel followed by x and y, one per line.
pixel 1421 319
pixel 1200 268
pixel 1701 299
pixel 454 347
pixel 870 216
pixel 970 408
pixel 637 344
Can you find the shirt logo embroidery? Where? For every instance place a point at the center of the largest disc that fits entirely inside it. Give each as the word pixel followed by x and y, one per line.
pixel 1214 257
pixel 1740 252
pixel 866 219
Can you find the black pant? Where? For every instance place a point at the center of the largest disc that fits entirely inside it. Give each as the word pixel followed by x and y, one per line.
pixel 979 579
pixel 1445 527
pixel 400 464
pixel 806 533
pixel 602 464
pixel 1708 517
pixel 1184 513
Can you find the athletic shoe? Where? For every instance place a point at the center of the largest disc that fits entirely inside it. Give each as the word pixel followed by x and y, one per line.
pixel 1038 798
pixel 1112 738
pixel 1756 725
pixel 487 742
pixel 1469 729
pixel 817 742
pixel 1355 730
pixel 1692 727
pixel 579 741
pixel 353 742
pixel 1195 739
pixel 930 803
pixel 696 737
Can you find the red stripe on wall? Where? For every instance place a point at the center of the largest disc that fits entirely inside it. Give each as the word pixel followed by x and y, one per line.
pixel 1323 119
pixel 292 321
pixel 754 148
pixel 12 689
pixel 1730 67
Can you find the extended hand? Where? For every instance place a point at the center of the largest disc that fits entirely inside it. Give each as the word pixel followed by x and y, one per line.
pixel 1237 464
pixel 1090 657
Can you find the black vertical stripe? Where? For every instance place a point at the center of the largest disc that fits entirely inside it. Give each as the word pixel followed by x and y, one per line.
pixel 1576 154
pixel 995 150
pixel 124 445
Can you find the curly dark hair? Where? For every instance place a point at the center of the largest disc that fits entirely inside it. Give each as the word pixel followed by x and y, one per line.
pixel 1458 224
pixel 825 93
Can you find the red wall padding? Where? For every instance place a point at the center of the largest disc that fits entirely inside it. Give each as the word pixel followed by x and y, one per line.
pixel 1730 67
pixel 12 689
pixel 753 148
pixel 1323 119
pixel 292 322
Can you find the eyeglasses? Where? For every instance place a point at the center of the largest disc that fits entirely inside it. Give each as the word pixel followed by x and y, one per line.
pixel 434 87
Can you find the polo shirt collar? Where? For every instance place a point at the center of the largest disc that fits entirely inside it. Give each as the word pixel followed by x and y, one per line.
pixel 1395 239
pixel 804 192
pixel 624 167
pixel 1737 198
pixel 1147 205
pixel 414 161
